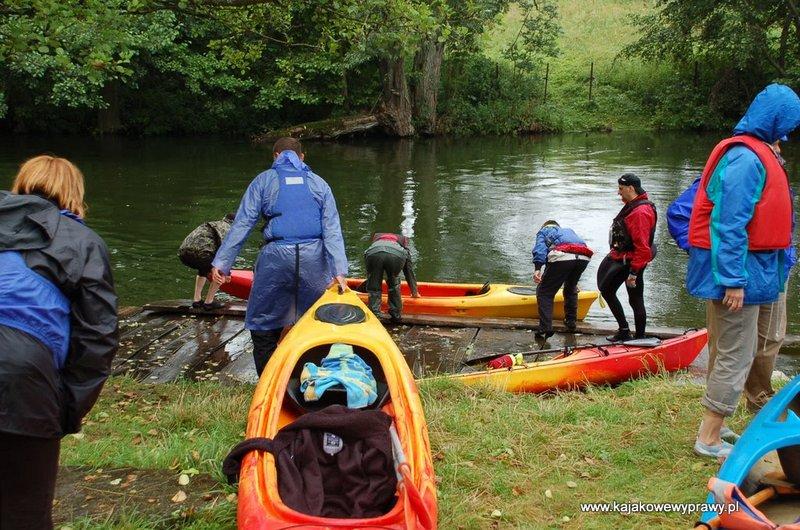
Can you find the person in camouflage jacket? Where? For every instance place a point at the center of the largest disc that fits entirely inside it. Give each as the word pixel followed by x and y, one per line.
pixel 197 251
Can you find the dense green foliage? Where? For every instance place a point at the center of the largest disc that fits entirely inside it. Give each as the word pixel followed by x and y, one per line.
pixel 720 53
pixel 424 66
pixel 157 66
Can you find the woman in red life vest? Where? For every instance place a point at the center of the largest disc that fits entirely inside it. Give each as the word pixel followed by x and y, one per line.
pixel 632 248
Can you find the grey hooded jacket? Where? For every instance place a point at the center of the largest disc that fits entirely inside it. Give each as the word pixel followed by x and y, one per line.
pixel 35 398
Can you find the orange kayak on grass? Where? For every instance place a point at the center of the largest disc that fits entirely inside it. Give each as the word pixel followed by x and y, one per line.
pixel 598 365
pixel 276 404
pixel 470 300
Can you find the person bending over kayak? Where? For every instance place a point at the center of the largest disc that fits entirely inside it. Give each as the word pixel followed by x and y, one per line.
pixel 564 257
pixel 303 246
pixel 197 251
pixel 632 248
pixel 389 254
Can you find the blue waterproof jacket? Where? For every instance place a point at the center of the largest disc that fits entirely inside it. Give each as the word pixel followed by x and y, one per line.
pixel 290 273
pixel 735 188
pixel 548 237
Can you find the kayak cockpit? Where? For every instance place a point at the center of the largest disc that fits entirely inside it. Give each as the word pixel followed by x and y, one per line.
pixel 334 395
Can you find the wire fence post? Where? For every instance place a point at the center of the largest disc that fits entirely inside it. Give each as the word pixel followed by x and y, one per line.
pixel 591 79
pixel 546 77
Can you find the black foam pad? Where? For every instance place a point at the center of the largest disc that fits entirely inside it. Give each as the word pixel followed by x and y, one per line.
pixel 340 314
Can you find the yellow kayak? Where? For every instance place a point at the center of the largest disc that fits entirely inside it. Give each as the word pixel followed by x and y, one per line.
pixel 472 300
pixel 337 318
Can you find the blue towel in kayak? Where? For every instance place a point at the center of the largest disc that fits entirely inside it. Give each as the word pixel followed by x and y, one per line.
pixel 343 368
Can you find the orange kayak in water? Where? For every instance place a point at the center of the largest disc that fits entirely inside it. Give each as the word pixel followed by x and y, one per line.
pixel 450 299
pixel 598 365
pixel 275 404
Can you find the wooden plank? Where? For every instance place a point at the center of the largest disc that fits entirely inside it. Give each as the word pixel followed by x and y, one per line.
pixel 499 341
pixel 185 358
pixel 128 311
pixel 234 308
pixel 138 335
pixel 209 367
pixel 238 308
pixel 431 350
pixel 155 353
pixel 240 368
pixel 526 323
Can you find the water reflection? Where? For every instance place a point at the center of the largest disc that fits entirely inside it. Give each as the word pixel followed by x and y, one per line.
pixel 472 206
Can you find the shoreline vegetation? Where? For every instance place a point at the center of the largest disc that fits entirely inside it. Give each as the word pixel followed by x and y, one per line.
pixel 411 67
pixel 501 460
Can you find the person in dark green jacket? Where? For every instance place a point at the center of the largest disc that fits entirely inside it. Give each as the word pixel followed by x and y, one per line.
pixel 389 254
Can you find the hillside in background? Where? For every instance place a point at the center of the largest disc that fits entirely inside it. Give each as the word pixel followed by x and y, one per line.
pixel 593 31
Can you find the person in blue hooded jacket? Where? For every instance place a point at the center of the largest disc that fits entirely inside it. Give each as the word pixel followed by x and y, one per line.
pixel 303 246
pixel 564 256
pixel 771 317
pixel 739 230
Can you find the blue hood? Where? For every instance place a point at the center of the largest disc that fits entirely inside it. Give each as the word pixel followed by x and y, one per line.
pixel 773 114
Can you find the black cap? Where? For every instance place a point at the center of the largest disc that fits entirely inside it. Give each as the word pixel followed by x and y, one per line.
pixel 629 179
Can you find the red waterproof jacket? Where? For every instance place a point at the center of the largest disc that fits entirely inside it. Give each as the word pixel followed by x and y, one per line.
pixel 640 224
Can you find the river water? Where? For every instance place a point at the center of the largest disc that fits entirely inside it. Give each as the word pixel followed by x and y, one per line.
pixel 472 206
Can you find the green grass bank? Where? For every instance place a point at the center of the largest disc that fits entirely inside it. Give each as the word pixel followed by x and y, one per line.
pixel 627 93
pixel 502 460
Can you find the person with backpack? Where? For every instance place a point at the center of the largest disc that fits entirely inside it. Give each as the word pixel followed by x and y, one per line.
pixel 303 246
pixel 631 239
pixel 564 256
pixel 389 255
pixel 58 331
pixel 739 230
pixel 197 251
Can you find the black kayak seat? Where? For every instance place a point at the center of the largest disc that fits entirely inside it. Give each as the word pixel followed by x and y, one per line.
pixel 334 395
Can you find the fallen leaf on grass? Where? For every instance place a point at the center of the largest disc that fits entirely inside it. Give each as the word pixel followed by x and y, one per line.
pixel 183 479
pixel 116 482
pixel 79 436
pixel 517 491
pixel 497 514
pixel 565 519
pixel 179 497
pixel 548 494
pixel 571 484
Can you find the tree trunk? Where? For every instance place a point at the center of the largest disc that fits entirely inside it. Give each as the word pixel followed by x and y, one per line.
pixel 108 120
pixel 428 67
pixel 395 115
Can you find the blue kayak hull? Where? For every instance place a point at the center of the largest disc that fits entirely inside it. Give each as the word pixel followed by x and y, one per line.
pixel 775 427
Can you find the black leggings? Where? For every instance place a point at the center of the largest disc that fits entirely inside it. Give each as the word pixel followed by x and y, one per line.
pixel 610 276
pixel 28 468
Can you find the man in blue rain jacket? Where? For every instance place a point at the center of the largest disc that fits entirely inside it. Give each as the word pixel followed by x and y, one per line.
pixel 303 247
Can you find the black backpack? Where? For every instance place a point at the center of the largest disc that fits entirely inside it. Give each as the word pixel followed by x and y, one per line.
pixel 336 462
